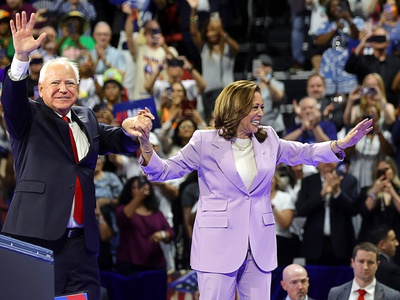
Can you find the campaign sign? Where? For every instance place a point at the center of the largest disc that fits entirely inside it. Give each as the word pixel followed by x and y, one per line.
pixel 73 297
pixel 130 109
pixel 138 4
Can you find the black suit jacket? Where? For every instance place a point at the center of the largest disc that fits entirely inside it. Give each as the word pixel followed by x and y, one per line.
pixel 45 166
pixel 311 205
pixel 388 273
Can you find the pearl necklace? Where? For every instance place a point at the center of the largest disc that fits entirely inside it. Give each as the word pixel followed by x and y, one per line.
pixel 241 148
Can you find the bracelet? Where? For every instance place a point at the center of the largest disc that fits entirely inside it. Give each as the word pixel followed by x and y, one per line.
pixel 226 36
pixel 384 105
pixel 191 69
pixel 337 146
pixel 194 19
pixel 163 235
pixel 148 151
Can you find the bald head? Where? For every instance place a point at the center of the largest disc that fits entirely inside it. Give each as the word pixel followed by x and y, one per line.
pixel 295 282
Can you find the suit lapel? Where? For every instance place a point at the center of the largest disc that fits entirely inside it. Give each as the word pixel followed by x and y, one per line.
pixel 263 166
pixel 223 155
pixel 345 293
pixel 378 291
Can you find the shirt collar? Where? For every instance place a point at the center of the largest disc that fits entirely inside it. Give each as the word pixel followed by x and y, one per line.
pixel 288 298
pixel 370 289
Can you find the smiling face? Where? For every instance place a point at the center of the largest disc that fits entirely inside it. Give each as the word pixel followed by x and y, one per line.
pixel 249 124
pixel 59 88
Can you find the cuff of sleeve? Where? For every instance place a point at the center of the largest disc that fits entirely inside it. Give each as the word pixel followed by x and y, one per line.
pixel 341 155
pixel 128 135
pixel 18 70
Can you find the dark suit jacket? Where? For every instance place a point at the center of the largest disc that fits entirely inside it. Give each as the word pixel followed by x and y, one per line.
pixel 388 273
pixel 311 205
pixel 382 292
pixel 45 166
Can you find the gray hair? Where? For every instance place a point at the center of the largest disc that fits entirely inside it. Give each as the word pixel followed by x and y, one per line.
pixel 62 61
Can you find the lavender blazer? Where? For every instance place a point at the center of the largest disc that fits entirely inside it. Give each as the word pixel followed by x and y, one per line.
pixel 231 217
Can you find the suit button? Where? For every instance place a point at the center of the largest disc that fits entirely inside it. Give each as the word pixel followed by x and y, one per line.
pixel 71 187
pixel 247 197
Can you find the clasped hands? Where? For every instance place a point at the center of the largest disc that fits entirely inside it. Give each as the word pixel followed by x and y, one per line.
pixel 140 126
pixel 331 184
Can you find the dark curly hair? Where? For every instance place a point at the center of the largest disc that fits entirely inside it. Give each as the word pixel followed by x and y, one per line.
pixel 150 202
pixel 175 138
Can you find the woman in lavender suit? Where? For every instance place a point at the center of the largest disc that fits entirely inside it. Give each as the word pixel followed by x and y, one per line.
pixel 233 244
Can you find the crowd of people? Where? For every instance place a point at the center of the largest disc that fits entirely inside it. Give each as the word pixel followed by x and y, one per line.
pixel 319 212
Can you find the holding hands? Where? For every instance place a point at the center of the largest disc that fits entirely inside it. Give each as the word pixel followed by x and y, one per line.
pixel 139 126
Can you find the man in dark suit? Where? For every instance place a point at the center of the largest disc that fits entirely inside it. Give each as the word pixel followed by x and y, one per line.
pixel 365 263
pixel 295 282
pixel 54 201
pixel 326 199
pixel 385 240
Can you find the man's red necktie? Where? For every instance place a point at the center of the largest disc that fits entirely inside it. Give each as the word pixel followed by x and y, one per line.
pixel 361 294
pixel 78 209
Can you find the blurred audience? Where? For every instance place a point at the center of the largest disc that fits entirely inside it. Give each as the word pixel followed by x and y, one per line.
pixel 63 7
pixel 35 65
pixel 389 20
pixel 361 62
pixel 380 202
pixel 113 91
pixel 108 187
pixel 283 209
pixel 311 128
pixel 182 133
pixel 72 26
pixel 369 149
pixel 331 107
pixel 6 42
pixel 142 228
pixel 371 93
pixel 48 46
pixel 149 51
pixel 337 34
pixel 104 55
pixel 218 51
pixel 90 90
pixel 388 273
pixel 175 69
pixel 272 93
pixel 328 201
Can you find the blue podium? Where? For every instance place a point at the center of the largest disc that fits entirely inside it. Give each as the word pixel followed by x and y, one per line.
pixel 27 271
